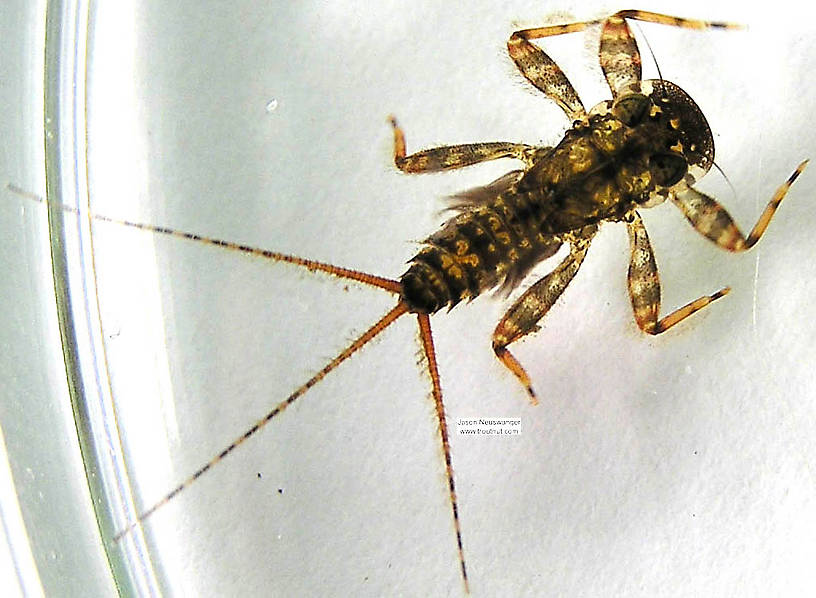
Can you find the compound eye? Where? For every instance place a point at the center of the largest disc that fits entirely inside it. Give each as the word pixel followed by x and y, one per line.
pixel 667 169
pixel 630 109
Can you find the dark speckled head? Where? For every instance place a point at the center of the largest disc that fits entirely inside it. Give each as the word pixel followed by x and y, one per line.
pixel 694 132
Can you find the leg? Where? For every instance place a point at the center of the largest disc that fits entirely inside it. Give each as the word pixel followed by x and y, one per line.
pixel 712 221
pixel 619 56
pixel 450 157
pixel 523 317
pixel 638 15
pixel 542 71
pixel 644 285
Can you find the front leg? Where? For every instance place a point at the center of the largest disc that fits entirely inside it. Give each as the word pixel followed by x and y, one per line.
pixel 542 71
pixel 644 285
pixel 618 53
pixel 523 317
pixel 711 220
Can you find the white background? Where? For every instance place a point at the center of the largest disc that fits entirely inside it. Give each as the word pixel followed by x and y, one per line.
pixel 678 465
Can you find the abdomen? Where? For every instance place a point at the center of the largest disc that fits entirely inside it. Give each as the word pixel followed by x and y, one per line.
pixel 484 246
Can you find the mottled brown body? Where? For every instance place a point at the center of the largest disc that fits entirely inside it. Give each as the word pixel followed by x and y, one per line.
pixel 648 144
pixel 607 164
pixel 477 250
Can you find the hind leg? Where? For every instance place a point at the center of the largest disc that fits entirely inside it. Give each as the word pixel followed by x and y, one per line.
pixel 523 317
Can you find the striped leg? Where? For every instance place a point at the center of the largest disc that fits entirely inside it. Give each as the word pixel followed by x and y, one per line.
pixel 450 157
pixel 542 71
pixel 618 54
pixel 637 15
pixel 644 285
pixel 523 317
pixel 713 222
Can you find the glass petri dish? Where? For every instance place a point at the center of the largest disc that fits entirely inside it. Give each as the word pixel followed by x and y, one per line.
pixel 680 461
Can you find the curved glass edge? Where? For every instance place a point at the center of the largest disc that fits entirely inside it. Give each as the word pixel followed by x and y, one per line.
pixel 69 26
pixel 46 509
